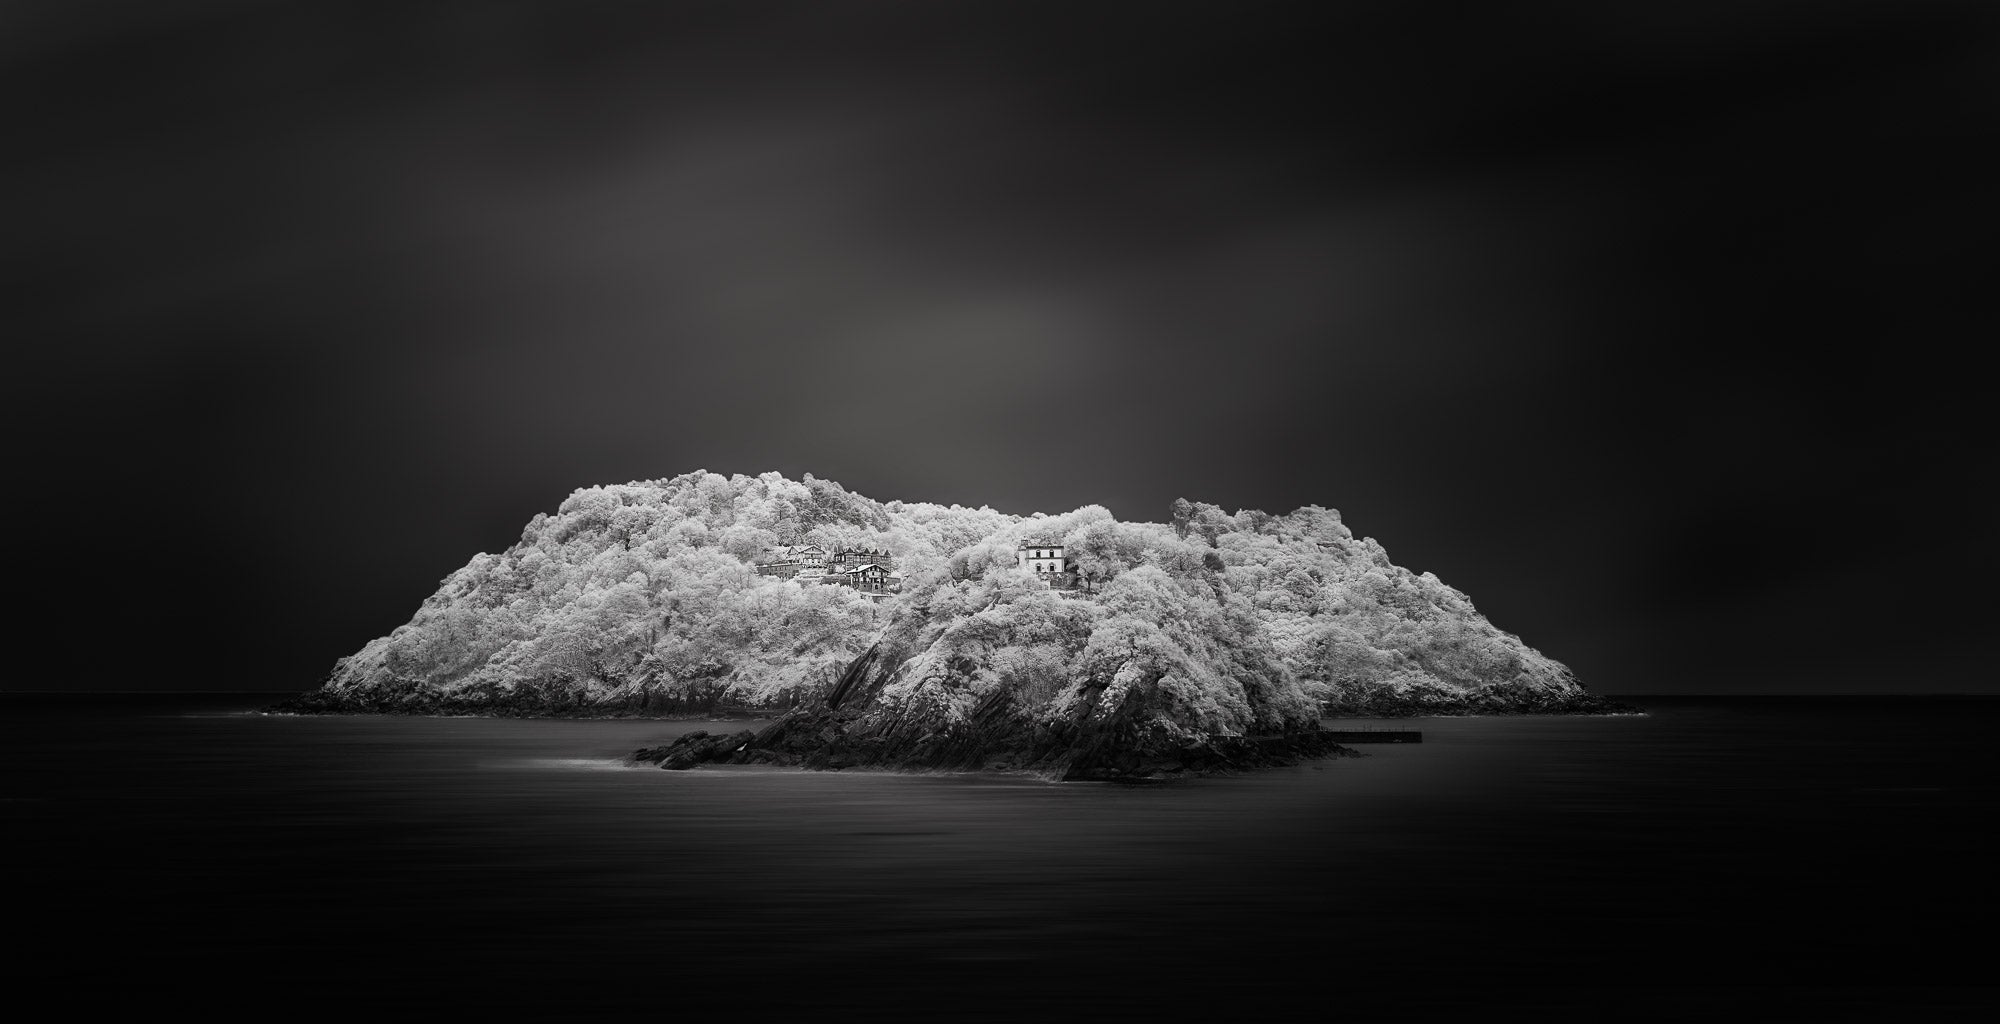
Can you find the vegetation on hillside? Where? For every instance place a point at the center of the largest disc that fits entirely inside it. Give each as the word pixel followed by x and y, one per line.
pixel 642 598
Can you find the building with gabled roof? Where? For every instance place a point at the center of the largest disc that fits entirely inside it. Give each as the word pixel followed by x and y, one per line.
pixel 796 554
pixel 1043 558
pixel 848 558
pixel 870 578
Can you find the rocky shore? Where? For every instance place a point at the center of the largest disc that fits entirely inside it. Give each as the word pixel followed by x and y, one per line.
pixel 527 703
pixel 1431 705
pixel 827 740
pixel 541 704
pixel 857 726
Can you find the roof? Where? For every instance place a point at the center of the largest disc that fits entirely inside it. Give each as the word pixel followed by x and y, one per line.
pixel 1038 544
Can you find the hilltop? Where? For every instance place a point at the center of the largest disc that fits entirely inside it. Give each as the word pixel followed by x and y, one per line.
pixel 647 598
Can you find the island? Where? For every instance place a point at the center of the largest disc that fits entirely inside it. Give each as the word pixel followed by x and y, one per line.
pixel 912 635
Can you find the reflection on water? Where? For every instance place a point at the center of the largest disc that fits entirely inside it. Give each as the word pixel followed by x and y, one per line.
pixel 181 849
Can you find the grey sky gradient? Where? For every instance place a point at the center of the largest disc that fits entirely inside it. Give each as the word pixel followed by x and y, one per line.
pixel 1639 323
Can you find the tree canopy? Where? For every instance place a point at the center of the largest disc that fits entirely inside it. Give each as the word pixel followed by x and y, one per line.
pixel 643 597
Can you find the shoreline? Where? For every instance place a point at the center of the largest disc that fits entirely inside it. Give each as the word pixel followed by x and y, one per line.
pixel 828 737
pixel 1110 752
pixel 318 702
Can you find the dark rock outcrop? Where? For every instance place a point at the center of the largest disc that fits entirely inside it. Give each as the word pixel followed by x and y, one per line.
pixel 828 740
pixel 697 747
pixel 1434 705
pixel 855 727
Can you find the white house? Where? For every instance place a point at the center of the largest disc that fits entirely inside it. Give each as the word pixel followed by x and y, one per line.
pixel 1041 558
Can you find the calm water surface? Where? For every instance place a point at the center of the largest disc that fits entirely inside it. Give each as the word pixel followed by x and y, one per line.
pixel 1815 854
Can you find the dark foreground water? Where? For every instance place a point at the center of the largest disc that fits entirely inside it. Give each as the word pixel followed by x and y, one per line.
pixel 1798 856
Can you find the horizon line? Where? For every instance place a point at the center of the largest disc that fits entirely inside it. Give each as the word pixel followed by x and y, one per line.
pixel 1626 696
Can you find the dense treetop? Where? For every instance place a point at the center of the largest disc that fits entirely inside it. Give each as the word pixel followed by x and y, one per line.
pixel 643 597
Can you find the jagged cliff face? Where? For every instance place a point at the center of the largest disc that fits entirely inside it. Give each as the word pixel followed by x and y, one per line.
pixel 641 598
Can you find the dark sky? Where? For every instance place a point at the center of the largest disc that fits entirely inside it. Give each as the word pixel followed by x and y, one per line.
pixel 1641 323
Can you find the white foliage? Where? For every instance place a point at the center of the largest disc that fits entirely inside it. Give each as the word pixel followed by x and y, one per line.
pixel 1216 622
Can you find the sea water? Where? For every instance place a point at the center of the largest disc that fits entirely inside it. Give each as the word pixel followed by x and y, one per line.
pixel 1798 854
